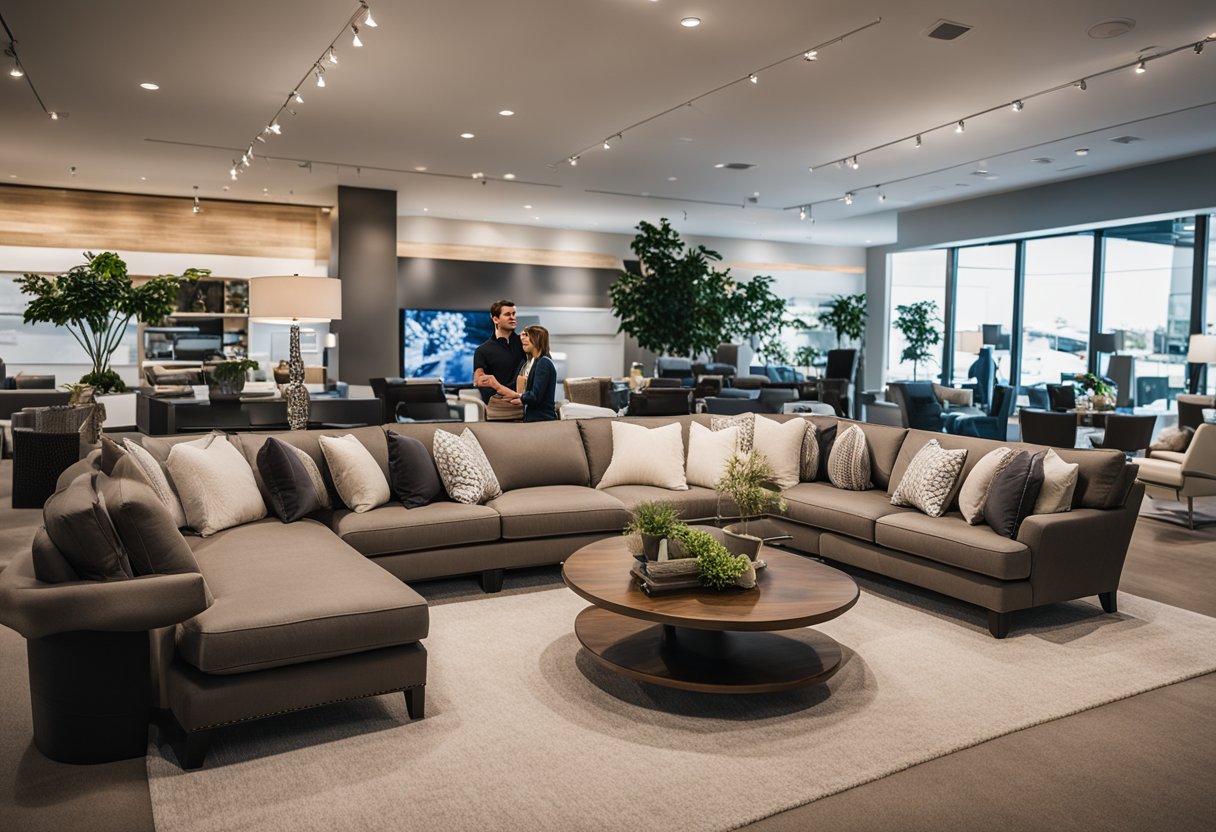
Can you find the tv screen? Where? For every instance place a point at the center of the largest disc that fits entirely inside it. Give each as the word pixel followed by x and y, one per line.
pixel 441 342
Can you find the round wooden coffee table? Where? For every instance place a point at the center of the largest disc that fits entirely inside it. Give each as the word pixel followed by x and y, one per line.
pixel 736 641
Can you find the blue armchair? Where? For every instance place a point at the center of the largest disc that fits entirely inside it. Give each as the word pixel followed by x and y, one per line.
pixel 993 426
pixel 918 404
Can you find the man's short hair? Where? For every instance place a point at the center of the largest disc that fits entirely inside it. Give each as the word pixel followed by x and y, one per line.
pixel 496 307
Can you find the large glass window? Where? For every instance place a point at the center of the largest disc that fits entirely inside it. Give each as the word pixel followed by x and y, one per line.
pixel 1211 310
pixel 983 306
pixel 1056 300
pixel 1146 304
pixel 915 276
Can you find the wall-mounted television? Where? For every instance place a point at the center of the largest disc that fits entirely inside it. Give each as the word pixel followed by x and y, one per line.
pixel 441 342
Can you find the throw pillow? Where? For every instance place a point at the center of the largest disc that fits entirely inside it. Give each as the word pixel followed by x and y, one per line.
pixel 974 493
pixel 151 457
pixel 293 494
pixel 808 468
pixel 79 526
pixel 216 486
pixel 929 482
pixel 708 453
pixel 745 422
pixel 1013 493
pixel 849 462
pixel 826 437
pixel 314 476
pixel 467 474
pixel 145 527
pixel 111 452
pixel 1059 483
pixel 357 476
pixel 412 474
pixel 50 566
pixel 956 396
pixel 781 445
pixel 1173 439
pixel 646 456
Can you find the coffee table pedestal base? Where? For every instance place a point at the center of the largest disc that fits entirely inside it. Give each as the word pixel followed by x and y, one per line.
pixel 710 661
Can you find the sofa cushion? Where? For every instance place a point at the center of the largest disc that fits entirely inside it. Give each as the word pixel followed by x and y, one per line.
pixel 808 464
pixel 309 441
pixel 532 454
pixel 1059 483
pixel 292 493
pixel 781 444
pixel 1160 471
pixel 111 452
pixel 152 455
pixel 467 474
pixel 977 484
pixel 883 443
pixel 597 437
pixel 849 462
pixel 50 565
pixel 952 540
pixel 1014 490
pixel 78 525
pixel 646 456
pixel 1167 456
pixel 360 481
pixel 216 486
pixel 696 503
pixel 395 528
pixel 930 480
pixel 745 422
pixel 1172 439
pixel 286 594
pixel 709 451
pixel 150 538
pixel 822 505
pixel 412 473
pixel 551 510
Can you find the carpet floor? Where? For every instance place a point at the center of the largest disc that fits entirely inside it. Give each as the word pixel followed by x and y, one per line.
pixel 522 714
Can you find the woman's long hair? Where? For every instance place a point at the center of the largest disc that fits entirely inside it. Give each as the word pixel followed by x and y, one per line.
pixel 539 336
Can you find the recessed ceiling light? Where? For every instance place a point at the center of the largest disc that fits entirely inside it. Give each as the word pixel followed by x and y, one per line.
pixel 690 22
pixel 720 165
pixel 148 85
pixel 466 135
pixel 12 176
pixel 420 168
pixel 508 176
pixel 506 112
pixel 143 179
pixel 1082 151
pixel 426 210
pixel 671 179
pixel 528 207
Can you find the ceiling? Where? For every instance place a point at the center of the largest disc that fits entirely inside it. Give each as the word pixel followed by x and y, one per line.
pixel 578 71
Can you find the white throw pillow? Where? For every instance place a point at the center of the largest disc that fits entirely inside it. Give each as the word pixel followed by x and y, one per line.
pixel 358 478
pixel 929 482
pixel 1059 483
pixel 781 444
pixel 745 422
pixel 849 462
pixel 467 474
pixel 216 486
pixel 158 477
pixel 646 456
pixel 974 493
pixel 708 453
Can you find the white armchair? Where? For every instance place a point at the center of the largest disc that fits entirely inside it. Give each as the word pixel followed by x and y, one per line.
pixel 1174 475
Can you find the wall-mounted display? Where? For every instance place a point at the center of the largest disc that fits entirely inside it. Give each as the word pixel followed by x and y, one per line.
pixel 439 343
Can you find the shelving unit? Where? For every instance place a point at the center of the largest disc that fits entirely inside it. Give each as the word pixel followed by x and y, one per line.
pixel 214 306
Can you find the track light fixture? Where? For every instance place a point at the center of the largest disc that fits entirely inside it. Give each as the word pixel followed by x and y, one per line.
pixel 1199 48
pixel 918 141
pixel 356 42
pixel 573 160
pixel 810 169
pixel 753 78
pixel 16 71
pixel 606 145
pixel 198 206
pixel 1081 85
pixel 812 55
pixel 275 128
pixel 333 56
pixel 295 94
pixel 802 213
pixel 368 21
pixel 848 198
pixel 1141 68
pixel 320 76
pixel 960 127
pixel 882 197
pixel 854 164
pixel 54 116
pixel 1017 106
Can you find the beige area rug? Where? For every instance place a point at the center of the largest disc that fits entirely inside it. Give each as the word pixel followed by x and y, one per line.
pixel 524 731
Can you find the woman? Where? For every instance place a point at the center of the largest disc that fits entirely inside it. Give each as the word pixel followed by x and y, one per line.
pixel 540 388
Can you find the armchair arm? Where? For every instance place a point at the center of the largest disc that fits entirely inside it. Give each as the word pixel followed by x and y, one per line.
pixel 37 609
pixel 1200 459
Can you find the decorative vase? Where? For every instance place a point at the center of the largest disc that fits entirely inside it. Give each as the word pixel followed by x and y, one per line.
pixel 225 390
pixel 738 543
pixel 1100 402
pixel 282 373
pixel 650 545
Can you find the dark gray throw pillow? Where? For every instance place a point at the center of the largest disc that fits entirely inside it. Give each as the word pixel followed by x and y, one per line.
pixel 291 490
pixel 111 452
pixel 79 526
pixel 827 439
pixel 1013 492
pixel 411 471
pixel 151 539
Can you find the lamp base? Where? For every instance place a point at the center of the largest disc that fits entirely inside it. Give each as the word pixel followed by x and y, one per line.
pixel 295 394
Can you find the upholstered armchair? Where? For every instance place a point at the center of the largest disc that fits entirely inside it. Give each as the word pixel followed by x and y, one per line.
pixel 918 404
pixel 1182 475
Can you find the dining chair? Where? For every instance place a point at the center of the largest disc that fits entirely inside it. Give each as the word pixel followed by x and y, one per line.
pixel 1127 433
pixel 1042 427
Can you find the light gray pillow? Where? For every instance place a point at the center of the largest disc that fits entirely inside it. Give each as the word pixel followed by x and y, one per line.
pixel 849 462
pixel 151 457
pixel 808 468
pixel 974 493
pixel 929 482
pixel 745 422
pixel 467 474
pixel 358 477
pixel 1173 439
pixel 216 486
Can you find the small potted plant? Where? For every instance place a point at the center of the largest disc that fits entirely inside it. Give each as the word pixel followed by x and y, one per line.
pixel 226 379
pixel 717 567
pixel 1100 393
pixel 654 521
pixel 746 482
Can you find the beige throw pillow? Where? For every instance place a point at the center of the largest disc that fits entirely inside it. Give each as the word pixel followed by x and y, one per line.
pixel 781 444
pixel 467 474
pixel 956 396
pixel 1059 483
pixel 646 456
pixel 849 462
pixel 708 453
pixel 929 482
pixel 809 466
pixel 745 422
pixel 358 478
pixel 974 493
pixel 157 474
pixel 216 486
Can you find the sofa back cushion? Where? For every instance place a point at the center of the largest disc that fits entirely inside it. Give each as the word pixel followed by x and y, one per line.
pixel 79 526
pixel 597 438
pixel 144 525
pixel 50 566
pixel 288 480
pixel 531 454
pixel 309 441
pixel 883 443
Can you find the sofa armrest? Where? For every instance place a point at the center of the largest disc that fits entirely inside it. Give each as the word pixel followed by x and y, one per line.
pixel 1079 552
pixel 36 609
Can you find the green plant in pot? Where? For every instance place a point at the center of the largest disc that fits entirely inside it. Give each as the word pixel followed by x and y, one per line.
pixel 717 567
pixel 226 379
pixel 746 481
pixel 95 301
pixel 654 521
pixel 919 324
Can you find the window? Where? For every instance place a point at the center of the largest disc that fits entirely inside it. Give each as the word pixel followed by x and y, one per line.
pixel 1055 328
pixel 915 276
pixel 984 305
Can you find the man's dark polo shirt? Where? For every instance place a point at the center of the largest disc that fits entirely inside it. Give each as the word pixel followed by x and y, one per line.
pixel 501 358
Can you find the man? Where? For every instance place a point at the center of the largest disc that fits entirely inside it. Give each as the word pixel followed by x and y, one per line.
pixel 496 361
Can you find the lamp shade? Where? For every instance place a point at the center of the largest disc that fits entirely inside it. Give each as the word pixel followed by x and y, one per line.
pixel 969 341
pixel 1202 349
pixel 295 298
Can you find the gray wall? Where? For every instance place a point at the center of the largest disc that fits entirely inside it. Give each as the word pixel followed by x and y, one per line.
pixel 364 256
pixel 463 284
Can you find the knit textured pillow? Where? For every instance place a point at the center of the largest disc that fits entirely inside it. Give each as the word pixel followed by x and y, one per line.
pixel 808 468
pixel 929 482
pixel 746 422
pixel 466 472
pixel 849 462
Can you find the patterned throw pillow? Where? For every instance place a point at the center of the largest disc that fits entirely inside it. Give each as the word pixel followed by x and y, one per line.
pixel 745 422
pixel 466 472
pixel 808 468
pixel 929 482
pixel 1173 439
pixel 849 462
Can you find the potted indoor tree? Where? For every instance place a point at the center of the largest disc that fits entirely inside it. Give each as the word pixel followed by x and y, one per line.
pixel 917 322
pixel 226 379
pixel 654 521
pixel 746 481
pixel 95 301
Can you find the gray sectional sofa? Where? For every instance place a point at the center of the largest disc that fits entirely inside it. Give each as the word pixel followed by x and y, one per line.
pixel 289 616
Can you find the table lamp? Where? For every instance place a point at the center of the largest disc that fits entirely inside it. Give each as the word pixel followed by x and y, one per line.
pixel 1201 350
pixel 293 300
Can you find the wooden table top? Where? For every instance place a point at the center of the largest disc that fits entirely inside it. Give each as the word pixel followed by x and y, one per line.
pixel 793 591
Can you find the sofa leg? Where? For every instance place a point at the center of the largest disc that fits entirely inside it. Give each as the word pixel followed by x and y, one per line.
pixel 415 702
pixel 1107 599
pixel 998 623
pixel 191 749
pixel 491 580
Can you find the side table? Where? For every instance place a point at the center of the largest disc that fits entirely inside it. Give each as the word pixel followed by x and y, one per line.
pixel 38 460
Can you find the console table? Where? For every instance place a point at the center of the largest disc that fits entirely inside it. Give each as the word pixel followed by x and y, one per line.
pixel 161 417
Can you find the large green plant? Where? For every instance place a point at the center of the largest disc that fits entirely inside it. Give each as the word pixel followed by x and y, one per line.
pixel 846 316
pixel 746 480
pixel 919 324
pixel 95 301
pixel 681 304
